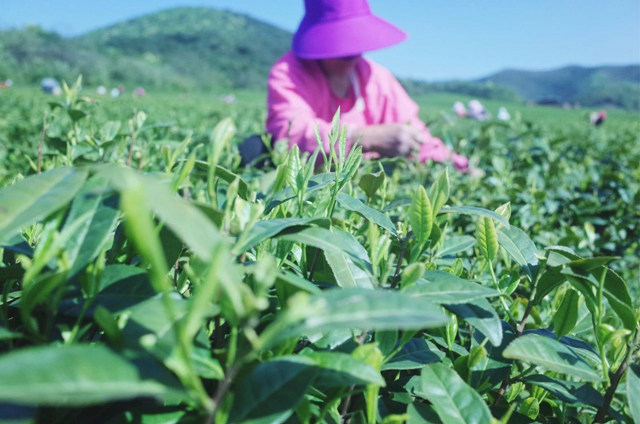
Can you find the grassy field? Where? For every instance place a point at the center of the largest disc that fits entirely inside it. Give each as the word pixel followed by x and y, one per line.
pixel 146 276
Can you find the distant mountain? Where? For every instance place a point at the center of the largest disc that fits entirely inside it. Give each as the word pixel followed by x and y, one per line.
pixel 174 48
pixel 198 48
pixel 589 86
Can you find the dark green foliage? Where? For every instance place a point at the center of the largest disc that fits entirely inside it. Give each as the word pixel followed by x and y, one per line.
pixel 188 288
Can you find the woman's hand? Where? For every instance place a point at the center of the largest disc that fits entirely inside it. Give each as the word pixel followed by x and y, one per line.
pixel 389 139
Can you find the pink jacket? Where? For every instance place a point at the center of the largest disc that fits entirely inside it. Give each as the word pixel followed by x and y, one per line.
pixel 299 96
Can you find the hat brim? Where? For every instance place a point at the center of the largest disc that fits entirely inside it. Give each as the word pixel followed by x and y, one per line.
pixel 348 37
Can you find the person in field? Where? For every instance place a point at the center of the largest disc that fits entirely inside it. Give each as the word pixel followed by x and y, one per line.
pixel 325 70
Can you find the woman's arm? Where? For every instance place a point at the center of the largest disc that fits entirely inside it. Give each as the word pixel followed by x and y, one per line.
pixel 401 108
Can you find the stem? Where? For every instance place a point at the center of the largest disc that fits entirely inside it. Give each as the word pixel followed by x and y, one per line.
pixel 347 403
pixel 313 266
pixel 519 329
pixel 133 142
pixel 502 301
pixel 223 387
pixel 615 380
pixel 396 274
pixel 41 145
pixel 601 348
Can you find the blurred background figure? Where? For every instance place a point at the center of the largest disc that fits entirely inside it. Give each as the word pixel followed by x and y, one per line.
pixel 503 114
pixel 228 99
pixel 477 111
pixel 139 92
pixel 121 89
pixel 114 93
pixel 459 109
pixel 51 86
pixel 597 118
pixel 101 91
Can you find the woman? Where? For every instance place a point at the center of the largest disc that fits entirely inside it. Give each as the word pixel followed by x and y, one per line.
pixel 325 70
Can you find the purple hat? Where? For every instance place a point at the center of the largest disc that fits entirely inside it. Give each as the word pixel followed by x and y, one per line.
pixel 338 28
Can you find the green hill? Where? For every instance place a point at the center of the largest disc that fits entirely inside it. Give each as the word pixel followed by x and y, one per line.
pixel 175 48
pixel 589 86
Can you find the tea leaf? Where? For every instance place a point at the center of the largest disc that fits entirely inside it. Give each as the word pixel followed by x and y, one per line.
pixel 439 191
pixel 370 183
pixel 272 390
pixel 346 273
pixel 566 316
pixel 633 388
pixel 487 238
pixel 454 401
pixel 421 216
pixel 377 217
pixel 414 355
pixel 521 249
pixel 35 197
pixel 481 315
pixel 442 287
pixel 550 354
pixel 77 375
pixel 473 210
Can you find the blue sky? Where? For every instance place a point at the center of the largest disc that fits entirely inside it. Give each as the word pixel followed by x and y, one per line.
pixel 448 38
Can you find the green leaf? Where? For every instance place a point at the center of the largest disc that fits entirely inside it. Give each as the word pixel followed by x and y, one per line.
pixel 550 354
pixel 75 375
pixel 288 284
pixel 521 249
pixel 182 217
pixel 454 401
pixel 439 191
pixel 87 241
pixel 346 273
pixel 228 176
pixel 266 229
pixel 473 210
pixel 421 413
pixel 336 369
pixel 617 293
pixel 370 183
pixel 482 316
pixel 109 131
pixel 633 388
pixel 530 407
pixel 548 281
pixel 421 216
pixel 315 183
pixel 443 287
pixel 455 244
pixel 504 210
pixel 36 197
pixel 375 216
pixel 487 238
pixel 331 240
pixel 370 354
pixel 567 391
pixel 272 390
pixel 8 335
pixel 354 309
pixel 414 355
pixel 121 286
pixel 566 316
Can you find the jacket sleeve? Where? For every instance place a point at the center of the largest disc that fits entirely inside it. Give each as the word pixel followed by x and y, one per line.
pixel 289 115
pixel 401 108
